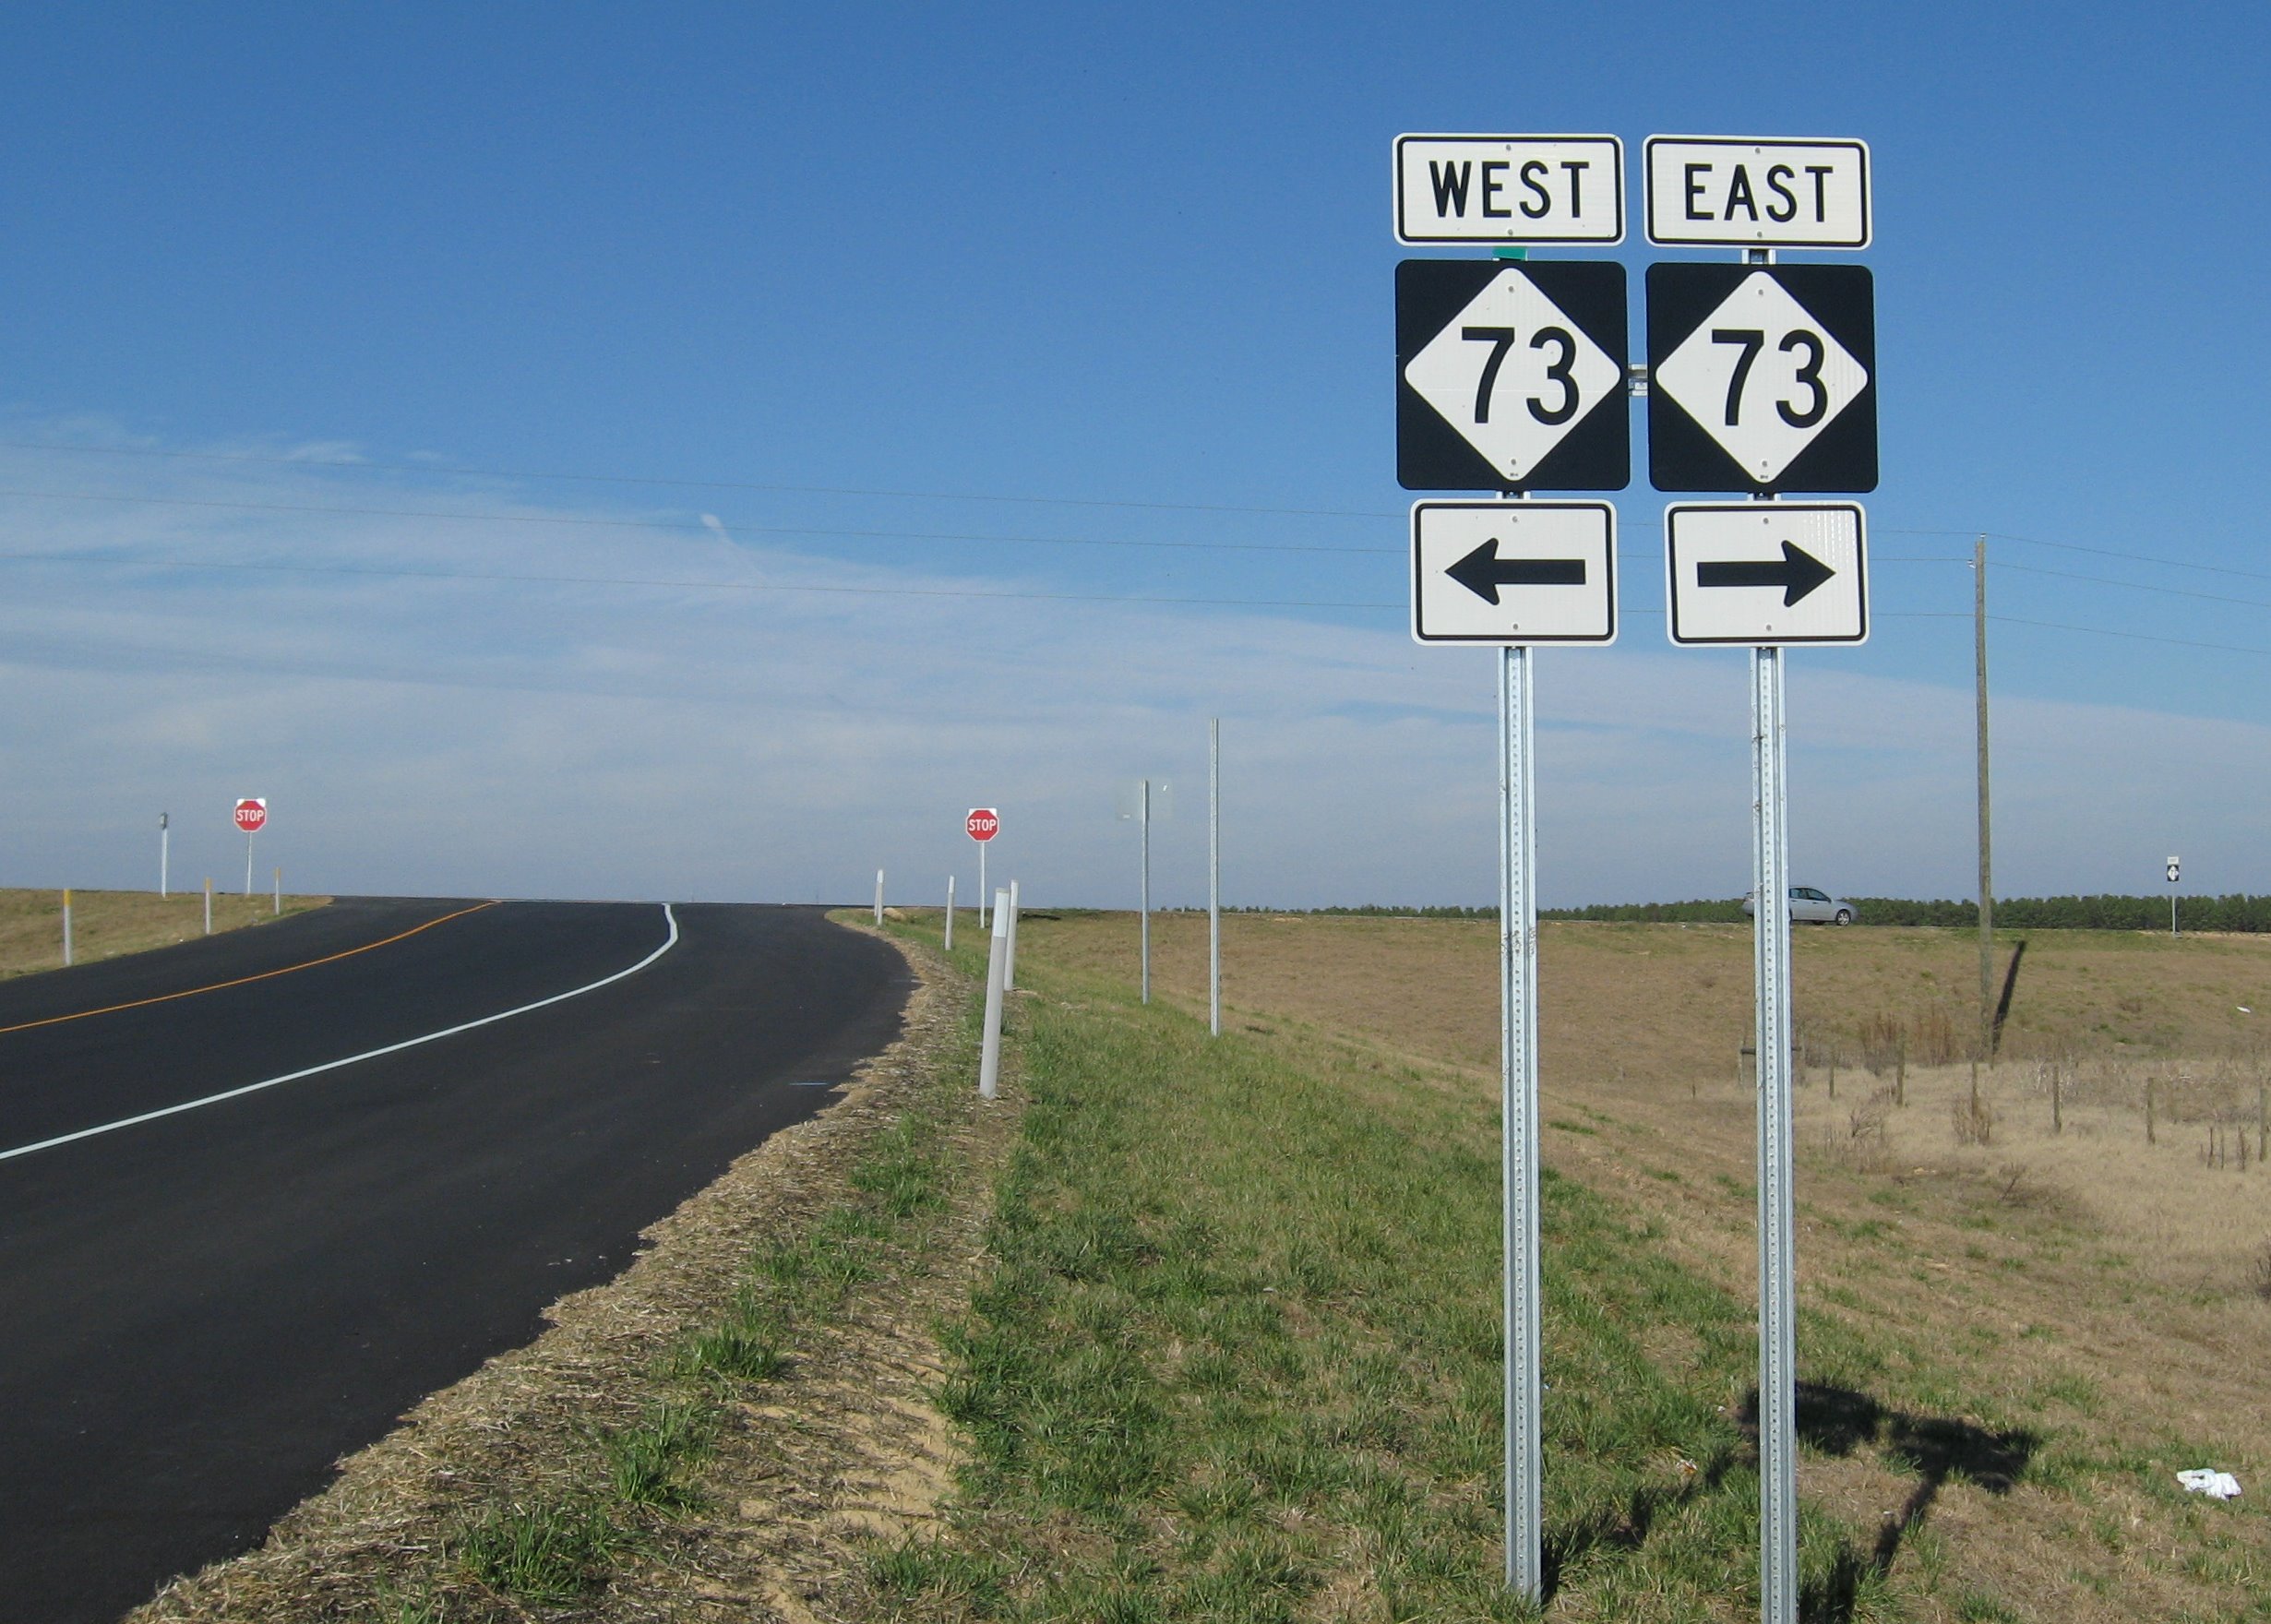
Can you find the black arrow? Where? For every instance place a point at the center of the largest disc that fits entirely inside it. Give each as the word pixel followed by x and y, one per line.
pixel 1799 573
pixel 1483 572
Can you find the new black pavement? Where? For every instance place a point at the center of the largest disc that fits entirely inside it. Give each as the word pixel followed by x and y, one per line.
pixel 201 1314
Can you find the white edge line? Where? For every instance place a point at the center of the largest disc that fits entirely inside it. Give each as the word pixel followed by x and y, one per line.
pixel 253 1088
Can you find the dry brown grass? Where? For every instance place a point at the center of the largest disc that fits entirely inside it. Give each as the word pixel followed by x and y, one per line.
pixel 107 924
pixel 2100 1289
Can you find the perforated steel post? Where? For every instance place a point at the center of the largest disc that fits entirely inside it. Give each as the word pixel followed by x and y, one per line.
pixel 1518 1050
pixel 1777 1262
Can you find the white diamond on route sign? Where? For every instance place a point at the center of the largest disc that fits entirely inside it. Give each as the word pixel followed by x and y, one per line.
pixel 1762 376
pixel 1541 381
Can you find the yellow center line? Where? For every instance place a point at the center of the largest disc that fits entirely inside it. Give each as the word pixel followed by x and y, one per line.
pixel 243 980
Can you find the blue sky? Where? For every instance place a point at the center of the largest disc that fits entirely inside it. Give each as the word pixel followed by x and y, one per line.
pixel 344 296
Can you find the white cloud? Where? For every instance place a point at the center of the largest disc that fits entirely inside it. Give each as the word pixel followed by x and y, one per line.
pixel 727 736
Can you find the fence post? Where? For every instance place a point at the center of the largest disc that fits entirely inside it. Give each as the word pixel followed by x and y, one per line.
pixel 66 927
pixel 989 1056
pixel 1008 954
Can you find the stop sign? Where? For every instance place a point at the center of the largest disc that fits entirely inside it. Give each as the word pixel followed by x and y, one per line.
pixel 251 813
pixel 984 823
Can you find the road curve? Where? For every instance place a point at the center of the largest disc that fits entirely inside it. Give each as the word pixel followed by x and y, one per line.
pixel 200 1312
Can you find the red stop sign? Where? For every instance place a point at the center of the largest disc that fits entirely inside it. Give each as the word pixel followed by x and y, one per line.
pixel 251 813
pixel 984 823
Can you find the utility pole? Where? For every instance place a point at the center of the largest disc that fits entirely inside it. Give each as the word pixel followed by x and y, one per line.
pixel 1987 867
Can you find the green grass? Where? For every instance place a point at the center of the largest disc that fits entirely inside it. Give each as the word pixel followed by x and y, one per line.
pixel 639 1476
pixel 1238 1358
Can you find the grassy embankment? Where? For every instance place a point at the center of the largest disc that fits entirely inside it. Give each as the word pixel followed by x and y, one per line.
pixel 1238 1355
pixel 106 924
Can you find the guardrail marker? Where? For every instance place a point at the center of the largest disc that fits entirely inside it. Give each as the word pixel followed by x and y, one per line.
pixel 989 1057
pixel 1009 956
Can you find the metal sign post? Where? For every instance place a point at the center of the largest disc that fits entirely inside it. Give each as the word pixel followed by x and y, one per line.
pixel 2174 868
pixel 1762 379
pixel 1518 1111
pixel 1777 1297
pixel 1214 876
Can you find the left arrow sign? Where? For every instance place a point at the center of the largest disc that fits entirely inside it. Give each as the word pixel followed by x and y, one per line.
pixel 1513 572
pixel 1483 572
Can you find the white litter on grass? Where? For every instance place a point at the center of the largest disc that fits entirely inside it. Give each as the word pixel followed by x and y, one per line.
pixel 2244 1008
pixel 2220 1485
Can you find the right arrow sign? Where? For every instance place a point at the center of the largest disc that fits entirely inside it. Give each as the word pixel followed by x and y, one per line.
pixel 1762 377
pixel 1762 573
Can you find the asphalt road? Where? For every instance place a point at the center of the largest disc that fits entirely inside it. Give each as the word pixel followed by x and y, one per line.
pixel 200 1313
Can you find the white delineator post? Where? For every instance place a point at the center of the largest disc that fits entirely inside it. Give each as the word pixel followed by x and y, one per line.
pixel 1143 817
pixel 209 905
pixel 998 951
pixel 280 893
pixel 1214 876
pixel 949 913
pixel 1009 957
pixel 1525 1571
pixel 66 927
pixel 164 835
pixel 878 896
pixel 1778 1295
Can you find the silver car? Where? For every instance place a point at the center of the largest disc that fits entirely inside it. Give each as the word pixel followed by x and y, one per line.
pixel 1809 906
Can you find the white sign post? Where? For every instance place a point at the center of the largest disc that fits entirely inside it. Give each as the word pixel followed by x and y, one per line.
pixel 2173 869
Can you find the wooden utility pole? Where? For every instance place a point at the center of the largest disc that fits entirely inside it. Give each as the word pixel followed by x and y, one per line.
pixel 1987 868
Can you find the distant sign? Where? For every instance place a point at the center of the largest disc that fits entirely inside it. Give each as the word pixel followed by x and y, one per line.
pixel 1511 376
pixel 2173 870
pixel 1764 573
pixel 1513 572
pixel 1509 189
pixel 1762 377
pixel 1757 194
pixel 983 824
pixel 252 814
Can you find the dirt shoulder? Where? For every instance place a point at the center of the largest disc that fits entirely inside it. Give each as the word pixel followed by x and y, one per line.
pixel 716 1433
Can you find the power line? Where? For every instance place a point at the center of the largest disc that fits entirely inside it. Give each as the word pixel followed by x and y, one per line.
pixel 358 463
pixel 676 526
pixel 2138 586
pixel 728 586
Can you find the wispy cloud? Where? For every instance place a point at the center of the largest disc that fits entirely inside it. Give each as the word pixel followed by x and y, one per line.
pixel 481 704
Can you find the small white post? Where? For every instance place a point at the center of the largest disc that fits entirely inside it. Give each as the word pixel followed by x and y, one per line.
pixel 878 896
pixel 1214 876
pixel 982 891
pixel 280 893
pixel 1009 957
pixel 209 905
pixel 1145 816
pixel 248 864
pixel 66 927
pixel 989 1056
pixel 164 834
pixel 949 912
